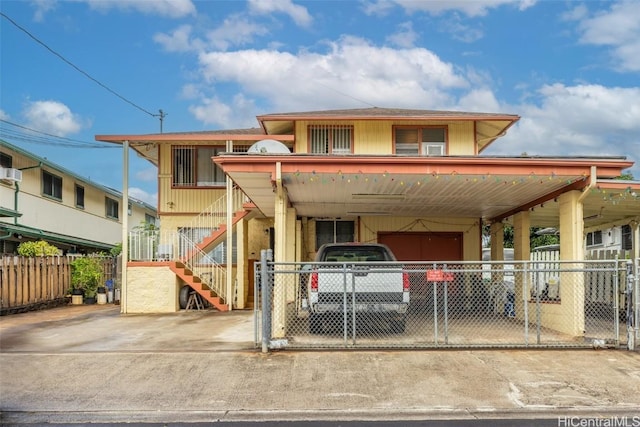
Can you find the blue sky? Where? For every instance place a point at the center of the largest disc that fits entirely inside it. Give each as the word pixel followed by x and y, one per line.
pixel 570 69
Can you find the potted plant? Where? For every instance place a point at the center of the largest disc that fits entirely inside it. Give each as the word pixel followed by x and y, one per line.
pixel 86 273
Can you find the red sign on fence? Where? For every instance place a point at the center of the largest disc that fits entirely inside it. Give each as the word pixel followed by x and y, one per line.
pixel 439 276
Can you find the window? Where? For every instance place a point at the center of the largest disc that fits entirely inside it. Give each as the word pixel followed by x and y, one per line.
pixel 129 209
pixel 428 141
pixel 193 167
pixel 150 219
pixel 111 207
pixel 51 185
pixel 626 237
pixel 331 139
pixel 334 232
pixel 594 238
pixel 6 161
pixel 79 196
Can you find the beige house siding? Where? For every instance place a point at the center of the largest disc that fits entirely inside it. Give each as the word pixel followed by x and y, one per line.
pixel 376 136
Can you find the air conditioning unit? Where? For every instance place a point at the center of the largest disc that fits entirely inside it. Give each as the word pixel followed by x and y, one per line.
pixel 433 149
pixel 11 174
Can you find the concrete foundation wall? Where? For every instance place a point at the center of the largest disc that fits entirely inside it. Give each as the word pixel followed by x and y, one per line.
pixel 152 289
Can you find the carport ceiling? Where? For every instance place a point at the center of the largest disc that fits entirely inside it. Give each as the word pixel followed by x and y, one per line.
pixel 444 187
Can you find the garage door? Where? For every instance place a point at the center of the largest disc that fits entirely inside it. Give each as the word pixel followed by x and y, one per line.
pixel 427 246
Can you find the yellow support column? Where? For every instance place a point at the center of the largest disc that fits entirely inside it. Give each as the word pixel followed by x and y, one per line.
pixel 279 317
pixel 521 252
pixel 570 318
pixel 497 251
pixel 242 269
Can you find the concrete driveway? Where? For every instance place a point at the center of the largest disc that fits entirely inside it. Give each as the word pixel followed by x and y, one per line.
pixel 92 364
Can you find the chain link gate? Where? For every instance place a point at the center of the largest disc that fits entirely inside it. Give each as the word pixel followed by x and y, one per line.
pixel 515 304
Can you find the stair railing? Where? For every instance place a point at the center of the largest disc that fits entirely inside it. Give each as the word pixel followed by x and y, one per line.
pixel 202 265
pixel 215 215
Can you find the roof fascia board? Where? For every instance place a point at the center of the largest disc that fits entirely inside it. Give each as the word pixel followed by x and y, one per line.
pixel 424 165
pixel 197 137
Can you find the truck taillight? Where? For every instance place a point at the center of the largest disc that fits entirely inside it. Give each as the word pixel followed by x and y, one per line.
pixel 314 282
pixel 405 282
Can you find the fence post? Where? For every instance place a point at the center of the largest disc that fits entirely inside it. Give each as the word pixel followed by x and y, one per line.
pixel 266 255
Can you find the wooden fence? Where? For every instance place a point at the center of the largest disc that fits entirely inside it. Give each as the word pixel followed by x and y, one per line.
pixel 29 283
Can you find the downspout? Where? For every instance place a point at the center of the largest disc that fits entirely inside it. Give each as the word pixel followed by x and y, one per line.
pixel 125 227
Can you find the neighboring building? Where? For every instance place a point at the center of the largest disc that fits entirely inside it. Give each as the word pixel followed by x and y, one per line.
pixel 413 179
pixel 40 200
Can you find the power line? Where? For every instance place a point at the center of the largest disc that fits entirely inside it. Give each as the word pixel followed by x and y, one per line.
pixel 37 137
pixel 161 115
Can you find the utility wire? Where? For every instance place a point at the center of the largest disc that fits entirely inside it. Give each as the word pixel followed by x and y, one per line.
pixel 78 69
pixel 38 137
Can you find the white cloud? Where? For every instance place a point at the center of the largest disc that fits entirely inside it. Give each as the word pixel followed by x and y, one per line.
pixel 168 8
pixel 147 175
pixel 467 7
pixel 52 117
pixel 179 40
pixel 618 28
pixel 299 14
pixel 236 30
pixel 405 36
pixel 351 73
pixel 140 194
pixel 581 120
pixel 4 115
pixel 239 114
pixel 42 8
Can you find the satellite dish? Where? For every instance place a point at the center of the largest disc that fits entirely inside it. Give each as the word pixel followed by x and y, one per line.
pixel 268 146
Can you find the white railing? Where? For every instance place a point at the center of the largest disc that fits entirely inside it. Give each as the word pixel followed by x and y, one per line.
pixel 215 215
pixel 205 267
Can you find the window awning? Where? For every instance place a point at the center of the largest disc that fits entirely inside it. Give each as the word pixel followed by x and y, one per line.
pixel 52 237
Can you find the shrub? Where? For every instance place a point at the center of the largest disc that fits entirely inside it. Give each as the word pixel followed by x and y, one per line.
pixel 39 248
pixel 86 273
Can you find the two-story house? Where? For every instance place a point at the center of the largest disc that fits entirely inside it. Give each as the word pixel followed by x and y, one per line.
pixel 40 200
pixel 413 179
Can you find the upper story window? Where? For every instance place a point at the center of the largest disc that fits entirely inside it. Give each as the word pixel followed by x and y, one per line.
pixel 79 196
pixel 150 219
pixel 193 167
pixel 6 161
pixel 330 139
pixel 111 208
pixel 420 141
pixel 51 185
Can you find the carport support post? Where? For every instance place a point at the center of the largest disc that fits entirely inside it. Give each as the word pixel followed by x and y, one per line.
pixel 266 255
pixel 521 252
pixel 569 315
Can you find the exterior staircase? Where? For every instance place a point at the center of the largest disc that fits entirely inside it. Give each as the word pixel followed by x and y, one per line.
pixel 195 267
pixel 187 276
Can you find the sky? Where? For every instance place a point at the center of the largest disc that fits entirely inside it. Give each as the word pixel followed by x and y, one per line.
pixel 74 69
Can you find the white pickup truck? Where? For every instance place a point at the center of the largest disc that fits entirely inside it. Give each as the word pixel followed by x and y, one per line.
pixel 357 279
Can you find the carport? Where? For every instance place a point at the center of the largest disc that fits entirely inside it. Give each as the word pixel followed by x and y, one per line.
pixel 460 193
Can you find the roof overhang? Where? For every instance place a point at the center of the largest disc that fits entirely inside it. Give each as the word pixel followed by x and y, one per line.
pixel 147 145
pixel 492 188
pixel 55 238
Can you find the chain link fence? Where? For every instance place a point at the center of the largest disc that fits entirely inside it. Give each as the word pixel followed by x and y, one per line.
pixel 511 304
